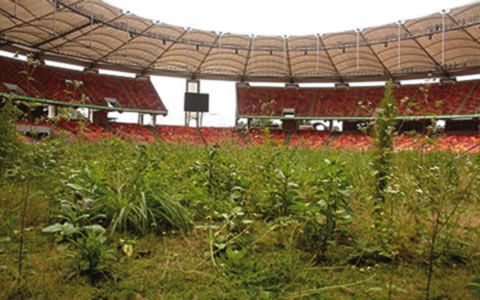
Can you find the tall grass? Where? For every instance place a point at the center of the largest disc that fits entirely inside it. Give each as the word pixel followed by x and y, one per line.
pixel 250 208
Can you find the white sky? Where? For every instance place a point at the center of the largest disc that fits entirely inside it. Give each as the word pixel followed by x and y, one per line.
pixel 279 17
pixel 270 17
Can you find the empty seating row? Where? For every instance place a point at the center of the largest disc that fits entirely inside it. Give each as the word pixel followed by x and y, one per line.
pixel 73 86
pixel 133 131
pixel 307 138
pixel 437 99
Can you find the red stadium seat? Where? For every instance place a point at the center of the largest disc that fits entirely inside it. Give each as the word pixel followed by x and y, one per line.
pixel 57 84
pixel 133 131
pixel 438 99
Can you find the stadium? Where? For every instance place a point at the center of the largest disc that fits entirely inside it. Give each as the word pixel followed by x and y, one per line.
pixel 351 168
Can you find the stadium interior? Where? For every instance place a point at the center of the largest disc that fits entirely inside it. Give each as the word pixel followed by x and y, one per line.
pixel 350 168
pixel 295 115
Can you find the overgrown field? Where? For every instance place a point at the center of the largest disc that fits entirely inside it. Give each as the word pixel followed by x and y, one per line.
pixel 116 219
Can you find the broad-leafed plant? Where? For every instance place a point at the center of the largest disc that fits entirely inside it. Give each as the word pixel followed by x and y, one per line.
pixel 326 216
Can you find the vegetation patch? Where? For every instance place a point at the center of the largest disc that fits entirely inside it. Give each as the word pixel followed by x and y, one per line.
pixel 117 219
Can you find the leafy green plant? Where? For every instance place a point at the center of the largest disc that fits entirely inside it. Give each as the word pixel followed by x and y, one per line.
pixel 384 133
pixel 228 230
pixel 86 239
pixel 443 187
pixel 91 256
pixel 282 192
pixel 329 209
pixel 8 139
pixel 19 164
pixel 220 178
pixel 475 286
pixel 74 220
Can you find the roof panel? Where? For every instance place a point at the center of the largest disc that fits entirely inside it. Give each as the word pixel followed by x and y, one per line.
pixel 101 34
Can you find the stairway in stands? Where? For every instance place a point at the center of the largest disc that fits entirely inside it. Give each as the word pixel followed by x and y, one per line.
pixel 466 99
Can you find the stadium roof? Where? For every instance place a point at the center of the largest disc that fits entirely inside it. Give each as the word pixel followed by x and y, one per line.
pixel 97 35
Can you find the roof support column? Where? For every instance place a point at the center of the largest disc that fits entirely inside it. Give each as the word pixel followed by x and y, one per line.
pixel 54 20
pixel 399 46
pixel 287 61
pixel 443 37
pixel 52 111
pixel 154 119
pixel 358 50
pixel 318 55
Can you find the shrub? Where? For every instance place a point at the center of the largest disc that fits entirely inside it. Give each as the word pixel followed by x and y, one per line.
pixel 283 192
pixel 443 187
pixel 91 256
pixel 329 209
pixel 384 133
pixel 8 136
pixel 220 179
pixel 89 252
pixel 75 218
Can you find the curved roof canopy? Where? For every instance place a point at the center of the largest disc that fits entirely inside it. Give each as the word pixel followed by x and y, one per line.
pixel 97 35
